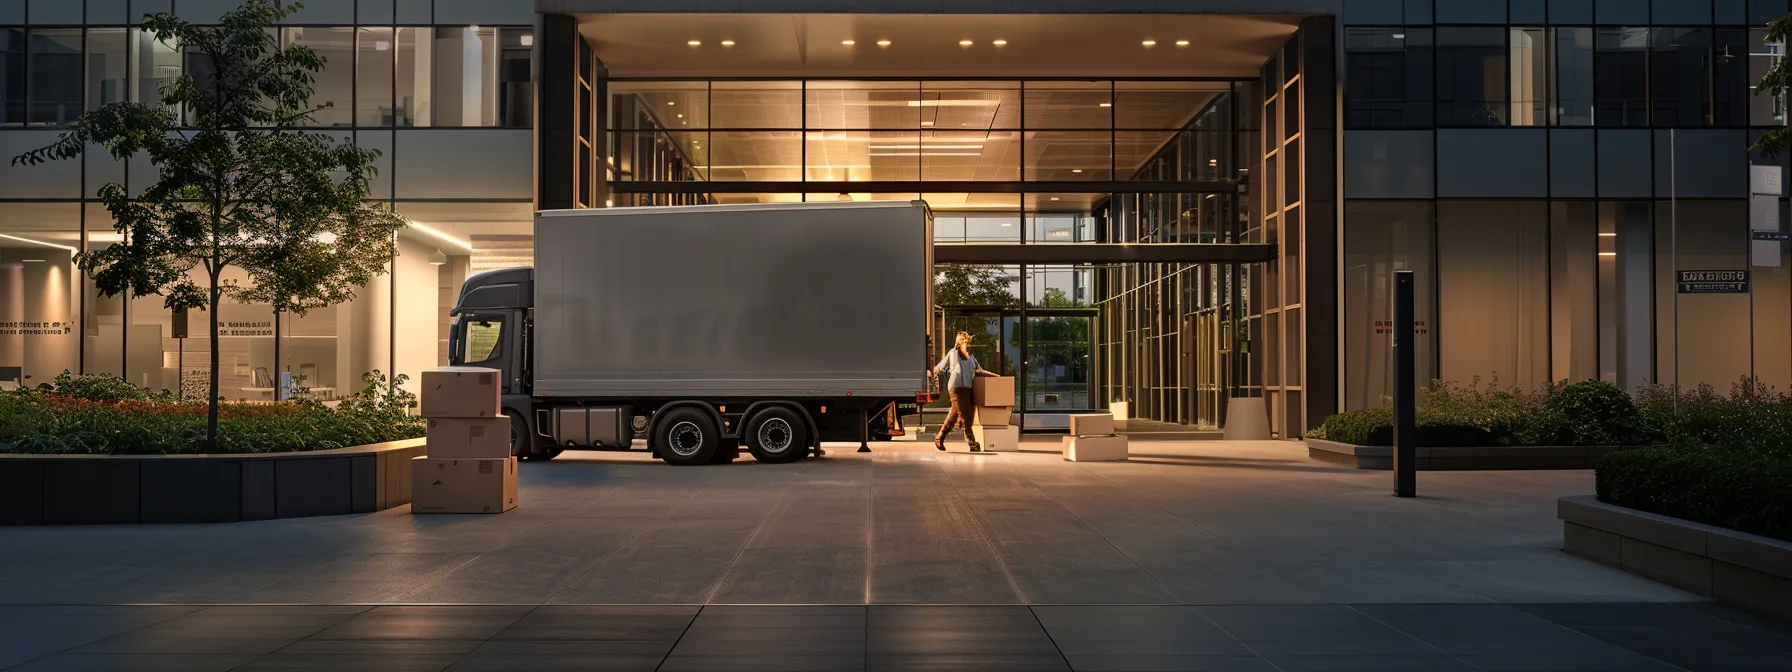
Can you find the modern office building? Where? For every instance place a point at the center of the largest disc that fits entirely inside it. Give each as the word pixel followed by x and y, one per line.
pixel 1165 205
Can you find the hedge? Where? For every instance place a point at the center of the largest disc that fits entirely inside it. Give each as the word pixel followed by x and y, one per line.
pixel 1590 413
pixel 1732 489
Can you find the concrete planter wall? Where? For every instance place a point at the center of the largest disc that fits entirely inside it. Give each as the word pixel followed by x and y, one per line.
pixel 125 489
pixel 1745 570
pixel 1446 459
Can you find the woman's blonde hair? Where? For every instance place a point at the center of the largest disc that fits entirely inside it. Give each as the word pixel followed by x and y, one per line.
pixel 962 337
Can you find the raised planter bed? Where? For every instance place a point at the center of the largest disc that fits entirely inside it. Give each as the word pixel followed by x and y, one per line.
pixel 1745 570
pixel 1471 458
pixel 126 489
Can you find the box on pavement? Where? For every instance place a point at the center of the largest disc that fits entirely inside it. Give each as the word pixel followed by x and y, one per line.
pixel 1094 448
pixel 993 416
pixel 999 438
pixel 1091 424
pixel 461 392
pixel 993 390
pixel 468 437
pixel 477 485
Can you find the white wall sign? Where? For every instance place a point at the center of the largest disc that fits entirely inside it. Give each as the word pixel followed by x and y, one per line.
pixel 1764 216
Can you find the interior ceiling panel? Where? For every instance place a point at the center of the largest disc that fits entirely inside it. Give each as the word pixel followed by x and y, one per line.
pixel 929 45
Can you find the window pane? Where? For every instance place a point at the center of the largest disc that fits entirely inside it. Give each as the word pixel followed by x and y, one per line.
pixel 516 86
pixel 1382 237
pixel 466 76
pixel 1729 78
pixel 863 105
pixel 1573 86
pixel 482 338
pixel 56 81
pixel 1143 105
pixel 1493 279
pixel 1068 155
pixel 755 104
pixel 412 87
pixel 157 63
pixel 1680 67
pixel 12 76
pixel 1072 105
pixel 107 73
pixel 671 105
pixel 373 77
pixel 1621 77
pixel 971 155
pixel 1390 75
pixel 333 87
pixel 1471 79
pixel 970 105
pixel 1530 76
pixel 1762 110
pixel 858 156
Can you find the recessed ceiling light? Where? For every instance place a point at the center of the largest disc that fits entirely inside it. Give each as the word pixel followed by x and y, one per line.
pixel 527 40
pixel 883 43
pixel 1149 43
pixel 1179 43
pixel 1076 170
pixel 32 261
pixel 727 43
pixel 681 116
pixel 1107 104
pixel 671 102
pixel 847 43
pixel 695 43
pixel 965 43
pixel 1054 198
pixel 926 123
pixel 1000 43
pixel 1399 36
pixel 1608 235
pixel 1007 223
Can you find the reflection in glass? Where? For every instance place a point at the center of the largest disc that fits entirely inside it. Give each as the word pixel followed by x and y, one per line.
pixel 863 105
pixel 56 80
pixel 107 71
pixel 333 87
pixel 373 77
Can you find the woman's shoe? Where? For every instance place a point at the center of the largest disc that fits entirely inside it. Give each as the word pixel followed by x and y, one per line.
pixel 976 448
pixel 939 444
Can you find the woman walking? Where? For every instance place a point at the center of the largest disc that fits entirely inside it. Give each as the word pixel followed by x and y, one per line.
pixel 959 368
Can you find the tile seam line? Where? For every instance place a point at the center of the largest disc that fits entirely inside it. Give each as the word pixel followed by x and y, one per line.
pixel 722 579
pixel 59 652
pixel 983 535
pixel 631 538
pixel 1247 645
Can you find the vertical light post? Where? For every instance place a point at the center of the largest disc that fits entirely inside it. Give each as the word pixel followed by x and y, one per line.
pixel 1405 388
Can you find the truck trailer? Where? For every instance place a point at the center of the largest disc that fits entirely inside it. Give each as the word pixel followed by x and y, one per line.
pixel 707 329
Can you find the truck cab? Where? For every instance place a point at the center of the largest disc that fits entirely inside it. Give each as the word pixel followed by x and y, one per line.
pixel 489 327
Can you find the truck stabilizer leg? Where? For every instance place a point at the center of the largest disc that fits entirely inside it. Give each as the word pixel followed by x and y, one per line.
pixel 864 432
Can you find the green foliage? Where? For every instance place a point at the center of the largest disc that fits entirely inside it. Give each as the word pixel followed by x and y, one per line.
pixel 1777 83
pixel 1732 489
pixel 100 387
pixel 1754 418
pixel 973 285
pixel 1375 427
pixel 240 183
pixel 1594 413
pixel 113 421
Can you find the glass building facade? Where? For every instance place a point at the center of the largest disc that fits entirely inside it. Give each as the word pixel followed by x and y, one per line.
pixel 1544 166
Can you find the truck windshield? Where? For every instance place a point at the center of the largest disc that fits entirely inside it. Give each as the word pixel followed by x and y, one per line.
pixel 480 339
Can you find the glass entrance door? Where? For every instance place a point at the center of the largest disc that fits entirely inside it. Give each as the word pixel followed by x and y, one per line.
pixel 1058 357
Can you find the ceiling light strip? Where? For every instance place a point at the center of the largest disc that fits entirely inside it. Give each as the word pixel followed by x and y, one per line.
pixel 38 242
pixel 443 235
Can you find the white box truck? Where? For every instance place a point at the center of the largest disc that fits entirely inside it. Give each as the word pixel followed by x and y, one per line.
pixel 708 329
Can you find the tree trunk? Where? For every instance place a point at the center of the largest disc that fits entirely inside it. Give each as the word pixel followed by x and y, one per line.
pixel 211 412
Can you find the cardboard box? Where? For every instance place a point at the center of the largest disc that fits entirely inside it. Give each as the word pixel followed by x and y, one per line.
pixel 1092 424
pixel 465 438
pixel 481 485
pixel 993 416
pixel 1005 439
pixel 461 392
pixel 993 390
pixel 1095 448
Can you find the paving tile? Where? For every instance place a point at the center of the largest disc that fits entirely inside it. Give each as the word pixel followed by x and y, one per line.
pixel 134 643
pixel 336 663
pixel 135 662
pixel 444 622
pixel 741 648
pixel 1484 629
pixel 528 647
pixel 1431 663
pixel 1618 661
pixel 595 626
pixel 710 632
pixel 559 663
pixel 1155 663
pixel 815 663
pixel 1185 647
pixel 378 647
pixel 965 663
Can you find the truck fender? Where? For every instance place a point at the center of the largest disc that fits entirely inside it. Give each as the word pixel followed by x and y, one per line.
pixel 746 419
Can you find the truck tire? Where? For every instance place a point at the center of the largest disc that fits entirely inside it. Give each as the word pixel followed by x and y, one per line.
pixel 686 436
pixel 524 446
pixel 777 435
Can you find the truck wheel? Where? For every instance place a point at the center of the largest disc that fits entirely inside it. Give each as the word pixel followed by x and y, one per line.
pixel 524 445
pixel 777 435
pixel 686 436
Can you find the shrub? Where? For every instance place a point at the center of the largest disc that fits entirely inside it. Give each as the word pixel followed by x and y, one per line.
pixel 100 387
pixel 1592 413
pixel 1375 427
pixel 1754 418
pixel 1735 490
pixel 119 422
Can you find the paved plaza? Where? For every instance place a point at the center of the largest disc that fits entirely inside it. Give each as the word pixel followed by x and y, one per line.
pixel 1192 556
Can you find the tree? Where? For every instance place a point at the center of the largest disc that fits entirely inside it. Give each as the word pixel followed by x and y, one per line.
pixel 238 186
pixel 973 285
pixel 1058 341
pixel 1777 83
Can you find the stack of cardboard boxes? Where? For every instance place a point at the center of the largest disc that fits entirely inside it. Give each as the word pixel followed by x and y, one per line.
pixel 467 467
pixel 994 396
pixel 1092 439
